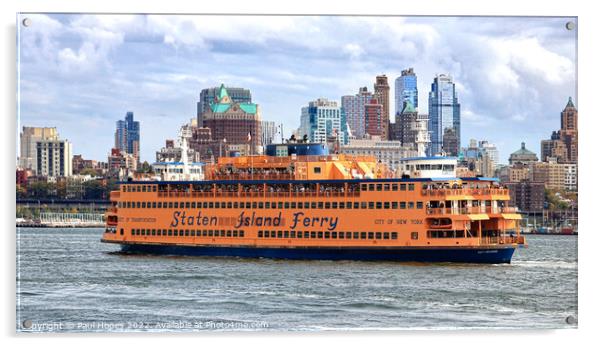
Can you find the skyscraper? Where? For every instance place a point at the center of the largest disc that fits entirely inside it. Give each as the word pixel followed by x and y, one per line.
pixel 54 158
pixel 209 95
pixel 562 145
pixel 374 113
pixel 381 94
pixel 233 121
pixel 354 110
pixel 322 118
pixel 444 113
pixel 28 147
pixel 127 135
pixel 406 89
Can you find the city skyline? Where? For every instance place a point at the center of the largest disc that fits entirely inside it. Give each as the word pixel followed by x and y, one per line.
pixel 80 73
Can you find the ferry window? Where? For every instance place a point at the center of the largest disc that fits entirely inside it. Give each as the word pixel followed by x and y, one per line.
pixel 169 233
pixel 299 234
pixel 317 170
pixel 370 235
pixel 153 232
pixel 386 235
pixel 286 205
pixel 313 235
pixel 326 235
pixel 138 205
pixel 121 231
pixel 402 205
pixel 394 187
pixel 460 234
pixel 273 234
pixel 348 235
pixel 235 205
pixel 260 205
pixel 187 233
pixel 254 205
pixel 143 188
pixel 181 233
pixel 379 187
pixel 356 205
pixel 248 205
pixel 419 205
pixel 144 204
pixel 170 205
pixel 320 235
pixel 222 233
pixel 210 233
pixel 123 188
pixel 205 233
pixel 370 187
pixel 364 187
pixel 370 205
pixel 313 205
pixel 133 232
pixel 320 205
pixel 228 233
pixel 165 205
pixel 341 205
pixel 410 205
pixel 334 205
pixel 182 204
pixel 349 205
pixel 193 205
pixel 334 235
pixel 402 187
pixel 205 205
pixel 293 234
pixel 235 233
pixel 279 234
pixel 356 235
pixel 379 235
pixel 241 233
pixel 394 235
pixel 488 203
pixel 294 205
pixel 306 234
pixel 187 205
pixel 379 205
pixel 342 235
pixel 286 234
pixel 154 188
pixel 223 205
pixel 280 206
pixel 306 205
pixel 138 188
pixel 387 205
pixel 386 187
pixel 410 187
pixel 414 235
pixel 327 205
pixel 164 232
pixel 364 205
pixel 363 235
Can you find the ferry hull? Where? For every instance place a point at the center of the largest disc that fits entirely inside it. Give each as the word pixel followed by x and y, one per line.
pixel 405 254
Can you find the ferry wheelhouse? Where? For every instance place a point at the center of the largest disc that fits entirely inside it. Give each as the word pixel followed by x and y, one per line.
pixel 298 202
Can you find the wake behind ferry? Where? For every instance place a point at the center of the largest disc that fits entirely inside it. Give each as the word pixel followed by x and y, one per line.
pixel 299 203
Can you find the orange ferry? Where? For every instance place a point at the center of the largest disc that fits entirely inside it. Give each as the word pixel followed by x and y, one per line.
pixel 299 203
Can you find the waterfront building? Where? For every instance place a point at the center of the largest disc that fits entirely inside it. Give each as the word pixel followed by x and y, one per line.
pixel 411 129
pixel 491 151
pixel 172 151
pixel 54 158
pixel 562 145
pixel 406 90
pixel 211 95
pixel 321 118
pixel 554 175
pixel 444 116
pixel 381 94
pixel 523 155
pixel 353 107
pixel 527 196
pixel 80 164
pixel 127 135
pixel 121 164
pixel 387 152
pixel 237 123
pixel 28 147
pixel 517 173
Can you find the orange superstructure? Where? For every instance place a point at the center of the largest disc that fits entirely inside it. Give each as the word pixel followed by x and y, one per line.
pixel 315 207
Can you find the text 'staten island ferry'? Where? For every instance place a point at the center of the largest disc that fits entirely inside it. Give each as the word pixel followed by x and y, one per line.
pixel 294 204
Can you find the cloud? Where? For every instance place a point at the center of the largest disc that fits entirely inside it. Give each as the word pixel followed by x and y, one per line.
pixel 510 73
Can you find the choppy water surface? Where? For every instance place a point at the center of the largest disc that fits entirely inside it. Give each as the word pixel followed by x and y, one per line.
pixel 69 281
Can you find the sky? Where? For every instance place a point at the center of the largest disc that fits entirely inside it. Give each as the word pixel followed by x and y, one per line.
pixel 82 73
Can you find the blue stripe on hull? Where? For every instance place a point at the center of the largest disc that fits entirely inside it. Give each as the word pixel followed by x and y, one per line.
pixel 462 255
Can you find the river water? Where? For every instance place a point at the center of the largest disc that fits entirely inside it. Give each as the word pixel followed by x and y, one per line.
pixel 67 281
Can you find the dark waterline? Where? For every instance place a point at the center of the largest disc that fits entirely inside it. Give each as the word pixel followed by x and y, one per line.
pixel 70 282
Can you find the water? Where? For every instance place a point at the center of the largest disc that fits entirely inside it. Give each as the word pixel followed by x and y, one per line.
pixel 69 281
